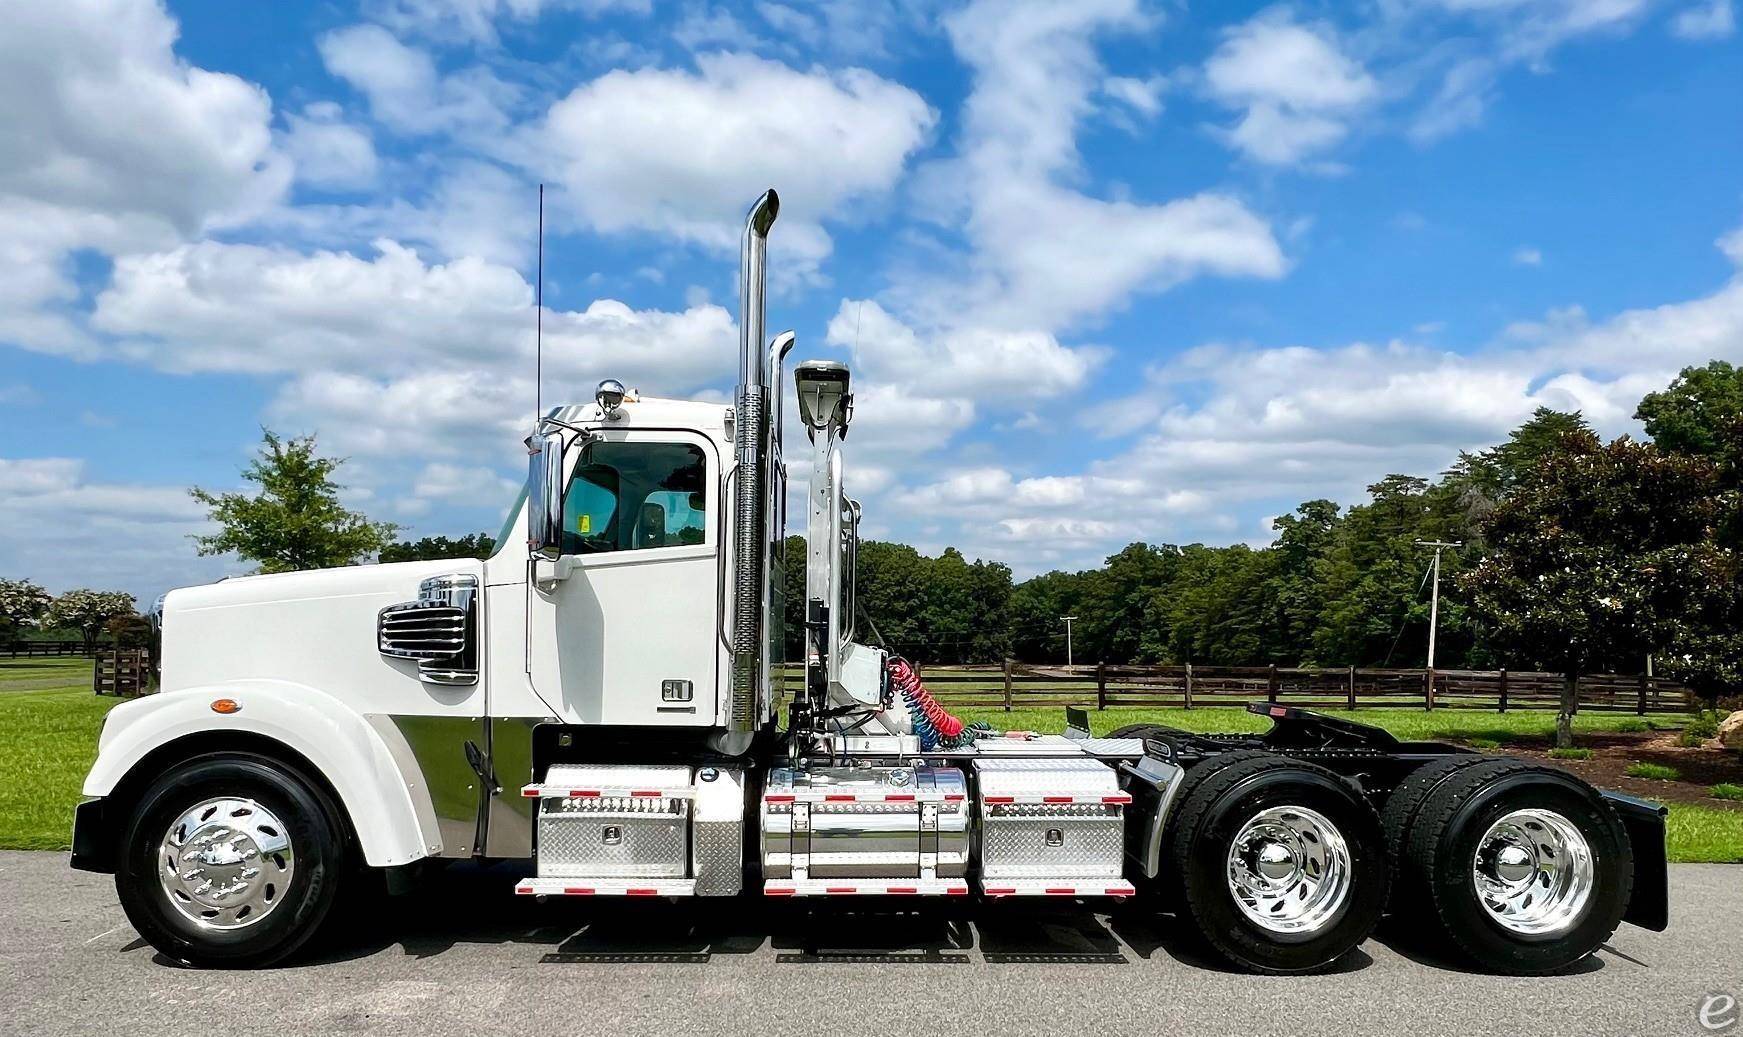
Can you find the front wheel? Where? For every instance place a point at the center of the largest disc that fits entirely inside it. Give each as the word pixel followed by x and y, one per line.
pixel 1282 863
pixel 230 861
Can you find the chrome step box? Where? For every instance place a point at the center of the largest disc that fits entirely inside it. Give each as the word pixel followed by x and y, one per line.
pixel 1048 824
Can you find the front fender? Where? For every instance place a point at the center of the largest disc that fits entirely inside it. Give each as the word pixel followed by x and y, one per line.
pixel 392 827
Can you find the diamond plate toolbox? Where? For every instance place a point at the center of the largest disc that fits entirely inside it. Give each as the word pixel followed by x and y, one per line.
pixel 1047 819
pixel 609 836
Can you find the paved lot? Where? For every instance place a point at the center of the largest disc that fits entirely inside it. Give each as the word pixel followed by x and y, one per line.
pixel 464 956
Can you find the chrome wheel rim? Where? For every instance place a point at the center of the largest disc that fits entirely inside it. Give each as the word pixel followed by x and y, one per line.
pixel 1534 873
pixel 1289 870
pixel 225 863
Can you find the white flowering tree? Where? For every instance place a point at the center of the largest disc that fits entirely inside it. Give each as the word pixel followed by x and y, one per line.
pixel 22 604
pixel 87 610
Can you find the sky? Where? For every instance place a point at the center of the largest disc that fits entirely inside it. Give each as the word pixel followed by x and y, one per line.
pixel 1105 270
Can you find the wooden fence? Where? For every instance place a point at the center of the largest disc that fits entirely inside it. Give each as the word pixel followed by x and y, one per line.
pixel 1022 686
pixel 46 648
pixel 122 671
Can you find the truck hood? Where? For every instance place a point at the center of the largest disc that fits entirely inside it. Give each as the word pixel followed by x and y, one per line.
pixel 315 628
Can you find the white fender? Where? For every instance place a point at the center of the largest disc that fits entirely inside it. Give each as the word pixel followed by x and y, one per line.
pixel 337 740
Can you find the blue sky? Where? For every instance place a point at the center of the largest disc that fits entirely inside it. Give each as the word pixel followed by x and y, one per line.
pixel 1107 270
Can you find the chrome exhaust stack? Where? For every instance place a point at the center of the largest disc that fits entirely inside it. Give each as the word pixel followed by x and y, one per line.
pixel 750 493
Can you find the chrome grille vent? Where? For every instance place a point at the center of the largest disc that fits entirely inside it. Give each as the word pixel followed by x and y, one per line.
pixel 439 630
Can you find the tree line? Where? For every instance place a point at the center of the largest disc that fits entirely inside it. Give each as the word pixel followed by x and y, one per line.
pixel 1576 556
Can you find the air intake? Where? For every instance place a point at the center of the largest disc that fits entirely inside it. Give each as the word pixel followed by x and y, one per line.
pixel 439 630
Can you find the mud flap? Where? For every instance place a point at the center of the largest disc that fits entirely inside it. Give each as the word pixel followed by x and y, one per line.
pixel 1649 906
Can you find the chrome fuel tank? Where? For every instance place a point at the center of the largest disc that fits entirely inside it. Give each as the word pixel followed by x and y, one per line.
pixel 865 822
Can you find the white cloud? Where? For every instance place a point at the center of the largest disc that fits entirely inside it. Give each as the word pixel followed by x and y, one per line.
pixel 328 151
pixel 1713 20
pixel 1525 255
pixel 51 514
pixel 109 141
pixel 407 92
pixel 477 19
pixel 1042 254
pixel 1295 86
pixel 1143 96
pixel 679 153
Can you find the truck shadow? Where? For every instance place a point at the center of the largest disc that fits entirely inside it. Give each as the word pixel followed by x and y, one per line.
pixel 470 905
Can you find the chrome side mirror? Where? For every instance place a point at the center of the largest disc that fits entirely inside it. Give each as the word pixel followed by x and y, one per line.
pixel 545 494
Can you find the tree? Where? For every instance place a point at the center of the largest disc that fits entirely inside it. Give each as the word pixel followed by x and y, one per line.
pixel 472 545
pixel 22 603
pixel 296 520
pixel 1598 559
pixel 87 611
pixel 1698 413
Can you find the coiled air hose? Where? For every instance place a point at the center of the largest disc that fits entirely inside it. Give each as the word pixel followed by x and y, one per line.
pixel 935 725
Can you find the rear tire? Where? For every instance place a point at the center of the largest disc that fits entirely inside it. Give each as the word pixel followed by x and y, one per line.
pixel 230 861
pixel 1281 863
pixel 1524 868
pixel 1400 813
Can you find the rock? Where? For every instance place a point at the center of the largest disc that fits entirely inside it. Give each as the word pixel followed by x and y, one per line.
pixel 1731 732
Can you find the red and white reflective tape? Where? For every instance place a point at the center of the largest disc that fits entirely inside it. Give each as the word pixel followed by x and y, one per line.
pixel 570 792
pixel 1108 799
pixel 1044 888
pixel 838 888
pixel 585 887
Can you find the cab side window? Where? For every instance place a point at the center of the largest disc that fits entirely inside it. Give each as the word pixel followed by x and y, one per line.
pixel 635 496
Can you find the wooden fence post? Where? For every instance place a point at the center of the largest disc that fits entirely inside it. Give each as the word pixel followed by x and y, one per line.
pixel 1503 689
pixel 1640 708
pixel 1187 699
pixel 1271 685
pixel 1101 685
pixel 1007 685
pixel 1352 688
pixel 1428 689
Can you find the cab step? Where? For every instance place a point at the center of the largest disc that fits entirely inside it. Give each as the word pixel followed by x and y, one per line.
pixel 1118 888
pixel 865 888
pixel 585 887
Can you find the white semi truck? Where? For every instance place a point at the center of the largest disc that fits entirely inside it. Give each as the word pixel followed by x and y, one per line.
pixel 600 700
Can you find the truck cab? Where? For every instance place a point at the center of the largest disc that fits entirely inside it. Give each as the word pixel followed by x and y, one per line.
pixel 601 700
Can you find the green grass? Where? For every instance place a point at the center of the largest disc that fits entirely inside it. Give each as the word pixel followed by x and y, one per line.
pixel 1408 724
pixel 1726 790
pixel 1653 771
pixel 1704 835
pixel 1574 753
pixel 49 722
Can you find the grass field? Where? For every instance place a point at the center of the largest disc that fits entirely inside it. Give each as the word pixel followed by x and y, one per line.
pixel 49 722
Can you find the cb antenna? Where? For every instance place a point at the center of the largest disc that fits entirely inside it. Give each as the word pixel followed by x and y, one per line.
pixel 539 320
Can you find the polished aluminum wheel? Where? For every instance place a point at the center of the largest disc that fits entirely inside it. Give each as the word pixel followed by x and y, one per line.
pixel 225 863
pixel 1289 870
pixel 1534 873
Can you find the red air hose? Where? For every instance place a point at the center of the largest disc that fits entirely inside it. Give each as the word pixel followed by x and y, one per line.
pixel 907 682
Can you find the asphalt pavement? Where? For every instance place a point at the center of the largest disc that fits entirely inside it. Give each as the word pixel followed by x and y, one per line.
pixel 465 956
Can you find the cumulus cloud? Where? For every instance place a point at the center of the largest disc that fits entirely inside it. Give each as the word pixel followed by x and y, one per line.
pixel 679 152
pixel 330 152
pixel 407 92
pixel 477 20
pixel 1295 87
pixel 51 513
pixel 108 140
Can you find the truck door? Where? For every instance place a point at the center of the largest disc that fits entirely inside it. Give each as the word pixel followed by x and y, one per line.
pixel 630 637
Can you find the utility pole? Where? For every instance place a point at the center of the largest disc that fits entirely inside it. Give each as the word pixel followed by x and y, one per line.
pixel 1068 620
pixel 1434 596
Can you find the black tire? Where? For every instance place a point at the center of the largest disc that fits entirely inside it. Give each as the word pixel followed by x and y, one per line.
pixel 1143 731
pixel 1400 813
pixel 318 842
pixel 1441 847
pixel 1228 792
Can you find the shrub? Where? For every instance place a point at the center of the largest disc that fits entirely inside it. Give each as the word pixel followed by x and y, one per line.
pixel 1704 724
pixel 1691 740
pixel 1654 771
pixel 1570 754
pixel 1726 790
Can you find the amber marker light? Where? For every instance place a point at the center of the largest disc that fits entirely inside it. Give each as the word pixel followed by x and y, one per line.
pixel 225 706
